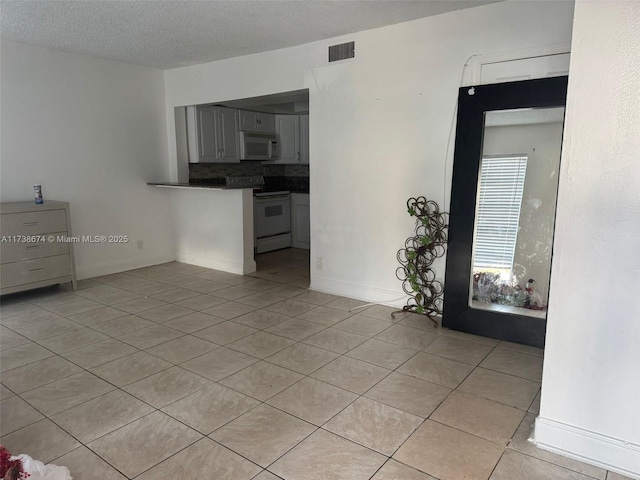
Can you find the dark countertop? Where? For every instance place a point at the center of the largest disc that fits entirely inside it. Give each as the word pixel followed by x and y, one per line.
pixel 291 184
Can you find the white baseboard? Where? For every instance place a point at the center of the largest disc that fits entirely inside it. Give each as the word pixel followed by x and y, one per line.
pixel 589 447
pixel 107 268
pixel 222 264
pixel 359 292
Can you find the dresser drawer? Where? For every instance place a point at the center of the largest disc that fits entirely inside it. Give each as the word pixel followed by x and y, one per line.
pixel 15 252
pixel 33 223
pixel 30 271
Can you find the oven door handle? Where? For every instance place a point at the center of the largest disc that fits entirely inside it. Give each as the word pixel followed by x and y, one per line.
pixel 271 198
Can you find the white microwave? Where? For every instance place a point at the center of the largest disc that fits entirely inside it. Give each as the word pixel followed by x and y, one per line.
pixel 258 146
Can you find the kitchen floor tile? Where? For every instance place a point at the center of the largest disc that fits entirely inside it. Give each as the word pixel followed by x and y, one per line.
pixel 460 350
pixel 140 445
pixel 72 340
pixel 193 322
pixel 409 394
pixel 290 307
pixel 435 369
pixel 73 308
pixel 122 325
pixel 166 387
pixel 229 310
pixel 66 393
pixel 98 315
pixel 15 414
pixel 478 416
pixel 329 457
pixel 261 319
pixel 324 316
pixel 102 415
pixel 393 470
pixel 312 400
pixel 513 391
pixel 86 465
pixel 514 363
pixel 182 349
pixel 449 454
pixel 39 373
pixel 11 339
pixel 99 353
pixel 302 358
pixel 139 304
pixel 335 340
pixel 345 304
pixel 263 434
pixel 131 368
pixel 407 337
pixel 261 344
pixel 363 325
pixel 261 380
pixel 375 425
pixel 219 363
pixel 165 313
pixel 316 298
pixel 151 336
pixel 177 295
pixel 381 353
pixel 262 299
pixel 203 459
pixel 210 408
pixel 42 440
pixel 224 333
pixel 47 327
pixel 296 329
pixel 351 374
pixel 201 302
pixel 516 465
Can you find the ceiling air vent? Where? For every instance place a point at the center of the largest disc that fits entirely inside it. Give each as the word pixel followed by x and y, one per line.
pixel 342 51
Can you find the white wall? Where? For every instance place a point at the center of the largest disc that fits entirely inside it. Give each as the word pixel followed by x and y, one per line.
pixel 591 382
pixel 379 125
pixel 92 132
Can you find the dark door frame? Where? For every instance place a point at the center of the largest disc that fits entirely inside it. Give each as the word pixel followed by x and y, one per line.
pixel 473 102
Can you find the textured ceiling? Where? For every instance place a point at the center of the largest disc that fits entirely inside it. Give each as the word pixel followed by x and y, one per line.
pixel 169 34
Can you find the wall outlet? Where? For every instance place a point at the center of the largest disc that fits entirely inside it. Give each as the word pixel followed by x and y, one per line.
pixel 318 263
pixel 140 244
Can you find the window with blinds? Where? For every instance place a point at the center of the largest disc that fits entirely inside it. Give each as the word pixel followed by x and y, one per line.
pixel 498 211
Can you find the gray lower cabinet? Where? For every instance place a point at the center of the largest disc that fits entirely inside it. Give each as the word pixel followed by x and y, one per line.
pixel 34 251
pixel 300 224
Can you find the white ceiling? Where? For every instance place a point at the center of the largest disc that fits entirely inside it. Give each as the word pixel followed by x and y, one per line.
pixel 170 33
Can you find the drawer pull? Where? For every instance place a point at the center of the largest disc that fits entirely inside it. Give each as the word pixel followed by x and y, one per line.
pixel 29 224
pixel 32 246
pixel 36 270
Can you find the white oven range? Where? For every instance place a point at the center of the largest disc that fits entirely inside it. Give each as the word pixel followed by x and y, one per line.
pixel 272 221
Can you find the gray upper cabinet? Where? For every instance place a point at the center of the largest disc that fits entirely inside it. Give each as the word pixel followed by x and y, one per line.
pixel 304 139
pixel 293 138
pixel 213 134
pixel 257 122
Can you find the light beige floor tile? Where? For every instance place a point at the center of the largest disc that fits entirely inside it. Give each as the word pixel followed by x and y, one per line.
pixel 104 414
pixel 261 319
pixel 152 289
pixel 266 475
pixel 42 440
pixel 514 363
pixel 70 341
pixel 210 408
pixel 338 341
pixel 351 374
pixel 492 342
pixel 224 333
pixel 383 312
pixel 374 425
pixel 28 319
pixel 142 444
pixel 201 302
pixel 393 470
pixel 235 292
pixel 261 380
pixel 407 337
pixel 86 465
pixel 263 434
pixel 9 309
pixel 261 299
pixel 316 298
pixel 117 298
pixel 522 348
pixel 229 310
pixel 312 400
pixel 151 336
pixel 460 350
pixel 535 405
pixel 15 414
pixel 22 355
pixel 219 363
pixel 204 459
pixel 478 416
pixel 513 391
pixel 176 295
pixel 11 339
pixel 182 349
pixel 48 327
pixel 363 325
pixel 73 308
pixel 296 329
pixel 346 304
pixel 66 393
pixel 409 394
pixel 290 307
pixel 261 344
pixel 328 457
pixel 122 325
pixel 167 386
pixel 165 313
pixel 449 454
pixel 516 465
pixel 131 368
pixel 288 291
pixel 435 369
pixel 98 315
pixel 325 316
pixel 421 322
pixel 97 290
pixel 381 353
pixel 39 373
pixel 139 304
pixel 302 358
pixel 193 322
pixel 617 476
pixel 520 443
pixel 99 353
pixel 5 392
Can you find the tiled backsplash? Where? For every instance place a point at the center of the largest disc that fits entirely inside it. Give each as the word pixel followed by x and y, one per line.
pixel 286 177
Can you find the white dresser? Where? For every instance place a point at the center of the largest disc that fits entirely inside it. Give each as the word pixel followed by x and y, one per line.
pixel 33 251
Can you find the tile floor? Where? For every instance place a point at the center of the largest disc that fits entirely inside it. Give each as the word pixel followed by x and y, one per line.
pixel 177 371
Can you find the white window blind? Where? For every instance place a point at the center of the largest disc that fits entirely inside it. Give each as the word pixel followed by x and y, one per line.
pixel 498 211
